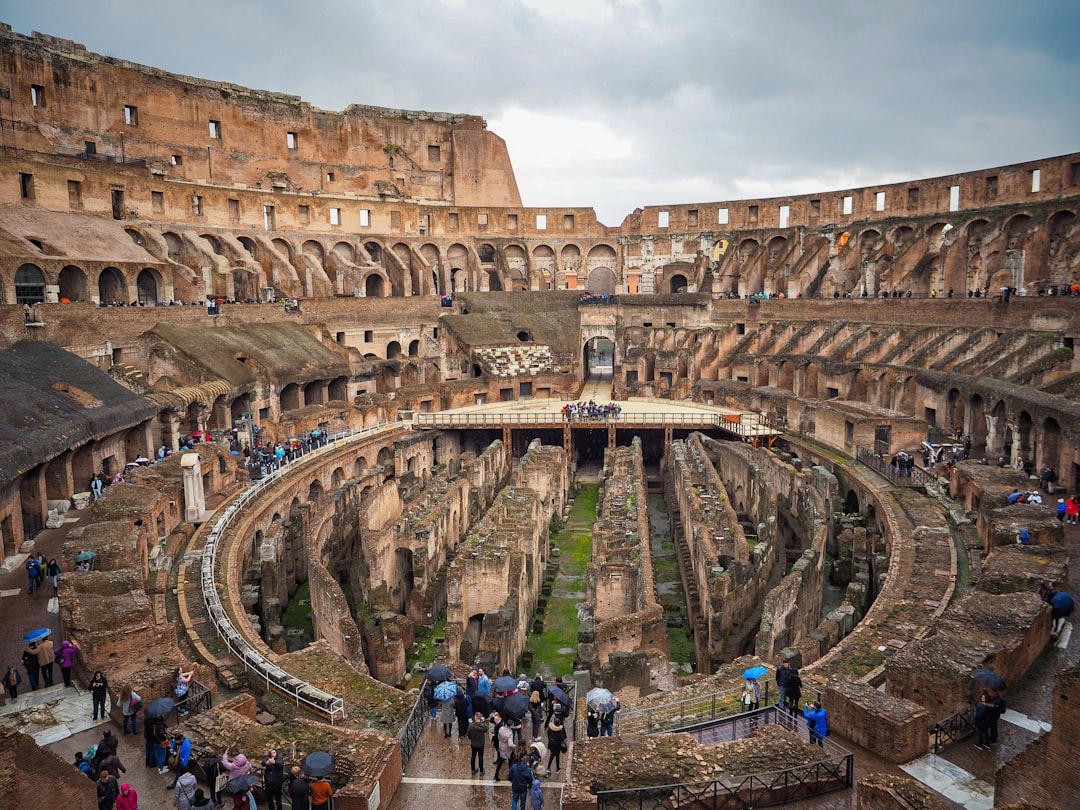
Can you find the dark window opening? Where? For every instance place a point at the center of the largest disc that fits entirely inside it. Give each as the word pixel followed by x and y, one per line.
pixel 832 393
pixel 131 115
pixel 752 213
pixel 37 95
pixel 26 185
pixel 991 186
pixel 433 154
pixel 215 130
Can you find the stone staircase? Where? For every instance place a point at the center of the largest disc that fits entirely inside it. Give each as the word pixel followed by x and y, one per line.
pixel 515 361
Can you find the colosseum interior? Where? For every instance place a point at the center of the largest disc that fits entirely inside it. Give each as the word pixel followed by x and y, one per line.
pixel 183 258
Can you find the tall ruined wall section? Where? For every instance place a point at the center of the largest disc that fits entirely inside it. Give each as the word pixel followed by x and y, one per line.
pixel 726 577
pixel 197 131
pixel 621 612
pixel 494 583
pixel 405 548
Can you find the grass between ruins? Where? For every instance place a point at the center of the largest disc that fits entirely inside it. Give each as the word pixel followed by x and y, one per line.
pixel 574 543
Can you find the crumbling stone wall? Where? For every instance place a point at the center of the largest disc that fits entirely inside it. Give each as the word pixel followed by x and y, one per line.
pixel 28 771
pixel 886 791
pixel 493 584
pixel 621 612
pixel 1001 632
pixel 896 728
pixel 726 579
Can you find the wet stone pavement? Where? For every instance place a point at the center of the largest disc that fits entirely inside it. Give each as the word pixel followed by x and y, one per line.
pixel 438 778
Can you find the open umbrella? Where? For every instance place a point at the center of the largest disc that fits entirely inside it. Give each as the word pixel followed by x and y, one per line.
pixel 439 673
pixel 755 672
pixel 160 707
pixel 600 700
pixel 558 694
pixel 516 705
pixel 989 679
pixel 1063 603
pixel 504 683
pixel 482 703
pixel 238 784
pixel 85 556
pixel 142 460
pixel 36 635
pixel 317 763
pixel 446 690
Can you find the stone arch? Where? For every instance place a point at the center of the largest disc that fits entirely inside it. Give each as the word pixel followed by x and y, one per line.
pixel 111 286
pixel 29 284
pixel 337 477
pixel 543 260
pixel 1050 451
pixel 977 272
pixel 414 348
pixel 901 237
pixel 393 349
pixel 375 285
pixel 457 259
pixel 338 389
pixel 345 252
pixel 1025 437
pixel 485 252
pixel 315 491
pixel 602 281
pixel 517 267
pixel 148 287
pixel 249 245
pixel 954 411
pixel 289 397
pixel 374 251
pixel 786 376
pixel 569 267
pixel 73 284
pixel 314 249
pixel 677 282
pixel 996 427
pixel 977 420
pixel 1061 263
pixel 284 247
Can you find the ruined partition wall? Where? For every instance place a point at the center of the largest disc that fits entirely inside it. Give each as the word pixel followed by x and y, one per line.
pixel 621 612
pixel 408 536
pixel 725 578
pixel 493 585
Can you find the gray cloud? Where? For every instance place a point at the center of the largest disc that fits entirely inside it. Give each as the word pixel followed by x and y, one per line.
pixel 684 100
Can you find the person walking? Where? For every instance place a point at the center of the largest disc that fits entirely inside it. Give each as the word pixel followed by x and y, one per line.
pixel 299 791
pixel 751 695
pixel 99 693
pixel 68 651
pixel 52 570
pixel 128 798
pixel 273 778
pixel 181 748
pixel 107 790
pixel 44 652
pixel 607 720
pixel 536 712
pixel 536 796
pixel 184 790
pixel 556 735
pixel 32 577
pixel 477 734
pixel 12 679
pixel 783 674
pixel 592 723
pixel 504 743
pixel 521 780
pixel 461 712
pixel 32 667
pixel 983 711
pixel 129 704
pixel 998 702
pixel 447 716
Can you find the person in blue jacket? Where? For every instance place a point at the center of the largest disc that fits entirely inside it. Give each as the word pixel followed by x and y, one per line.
pixel 817 722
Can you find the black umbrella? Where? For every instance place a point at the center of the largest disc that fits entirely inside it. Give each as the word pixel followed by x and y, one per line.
pixel 989 679
pixel 481 703
pixel 160 707
pixel 238 784
pixel 317 763
pixel 516 705
pixel 439 673
pixel 559 694
pixel 504 683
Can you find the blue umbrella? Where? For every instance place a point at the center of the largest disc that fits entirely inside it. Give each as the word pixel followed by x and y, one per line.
pixel 36 635
pixel 755 672
pixel 1061 601
pixel 445 690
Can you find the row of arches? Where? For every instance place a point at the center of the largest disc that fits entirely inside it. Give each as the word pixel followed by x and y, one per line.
pixel 141 286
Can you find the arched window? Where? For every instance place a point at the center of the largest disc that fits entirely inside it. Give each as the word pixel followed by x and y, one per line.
pixel 29 285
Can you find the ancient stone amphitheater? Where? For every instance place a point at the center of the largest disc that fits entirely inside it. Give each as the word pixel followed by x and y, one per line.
pixel 183 257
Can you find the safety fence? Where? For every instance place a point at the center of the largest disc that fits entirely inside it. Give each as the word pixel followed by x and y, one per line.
pixel 276 678
pixel 835 770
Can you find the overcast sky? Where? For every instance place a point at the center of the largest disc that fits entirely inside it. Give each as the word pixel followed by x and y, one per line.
pixel 617 104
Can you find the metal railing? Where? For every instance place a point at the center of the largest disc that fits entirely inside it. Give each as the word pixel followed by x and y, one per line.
pixel 413 730
pixel 697 419
pixel 835 771
pixel 915 477
pixel 682 714
pixel 953 729
pixel 253 660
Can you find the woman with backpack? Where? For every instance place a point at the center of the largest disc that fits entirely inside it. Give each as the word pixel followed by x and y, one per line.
pixel 130 704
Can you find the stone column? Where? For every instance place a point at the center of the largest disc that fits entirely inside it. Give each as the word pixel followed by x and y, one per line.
pixel 194 497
